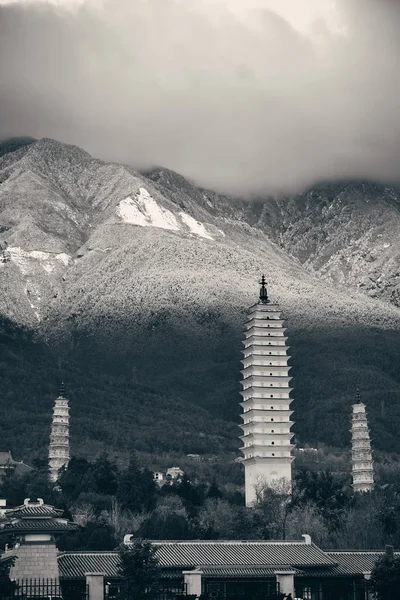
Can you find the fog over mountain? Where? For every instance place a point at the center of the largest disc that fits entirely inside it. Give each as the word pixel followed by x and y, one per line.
pixel 241 96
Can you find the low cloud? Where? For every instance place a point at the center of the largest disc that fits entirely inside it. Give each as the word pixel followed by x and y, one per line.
pixel 239 95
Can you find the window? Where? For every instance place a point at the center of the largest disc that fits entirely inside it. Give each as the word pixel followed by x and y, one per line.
pixel 272 431
pixel 271 396
pixel 273 454
pixel 272 443
pixel 271 419
pixel 272 408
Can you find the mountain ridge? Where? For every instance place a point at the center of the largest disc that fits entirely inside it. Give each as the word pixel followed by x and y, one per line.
pixel 102 265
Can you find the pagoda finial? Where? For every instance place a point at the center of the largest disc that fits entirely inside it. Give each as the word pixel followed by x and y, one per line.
pixel 263 291
pixel 62 390
pixel 358 396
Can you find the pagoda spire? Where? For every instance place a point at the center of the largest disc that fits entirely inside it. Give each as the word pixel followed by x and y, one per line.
pixel 267 445
pixel 59 436
pixel 361 454
pixel 263 291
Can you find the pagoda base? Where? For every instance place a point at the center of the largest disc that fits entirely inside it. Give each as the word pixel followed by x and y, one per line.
pixel 262 472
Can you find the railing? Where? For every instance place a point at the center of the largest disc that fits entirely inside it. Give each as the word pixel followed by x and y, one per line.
pixel 122 591
pixel 42 589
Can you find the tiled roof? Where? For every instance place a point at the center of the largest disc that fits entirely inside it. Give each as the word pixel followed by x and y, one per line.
pixel 76 564
pixel 239 553
pixel 341 563
pixel 37 525
pixel 351 563
pixel 232 556
pixel 34 510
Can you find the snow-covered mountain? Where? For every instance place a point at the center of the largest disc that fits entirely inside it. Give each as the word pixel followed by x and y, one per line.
pixel 146 274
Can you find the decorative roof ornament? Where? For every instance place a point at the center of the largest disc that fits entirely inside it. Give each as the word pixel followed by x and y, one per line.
pixel 62 390
pixel 358 396
pixel 263 291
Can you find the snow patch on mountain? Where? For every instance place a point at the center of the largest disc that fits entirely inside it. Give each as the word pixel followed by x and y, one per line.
pixel 144 211
pixel 195 226
pixel 47 260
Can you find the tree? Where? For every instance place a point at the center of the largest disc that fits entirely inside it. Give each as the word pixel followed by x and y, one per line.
pixel 219 519
pixel 307 518
pixel 105 475
pixel 7 586
pixel 136 488
pixel 271 511
pixel 213 490
pixel 385 577
pixel 168 521
pixel 139 568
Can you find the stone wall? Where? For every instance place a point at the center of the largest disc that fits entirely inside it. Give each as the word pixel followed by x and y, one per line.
pixel 36 560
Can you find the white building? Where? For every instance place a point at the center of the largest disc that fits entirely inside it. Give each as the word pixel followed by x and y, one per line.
pixel 59 436
pixel 361 454
pixel 174 474
pixel 158 478
pixel 267 446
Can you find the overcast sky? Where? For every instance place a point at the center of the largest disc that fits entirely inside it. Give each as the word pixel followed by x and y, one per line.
pixel 243 96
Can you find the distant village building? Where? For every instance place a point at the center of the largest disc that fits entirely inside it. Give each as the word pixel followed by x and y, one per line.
pixel 159 478
pixel 8 464
pixel 196 457
pixel 267 446
pixel 59 436
pixel 361 454
pixel 174 474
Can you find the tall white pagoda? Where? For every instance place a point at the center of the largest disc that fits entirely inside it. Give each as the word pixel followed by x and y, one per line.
pixel 267 446
pixel 59 436
pixel 361 454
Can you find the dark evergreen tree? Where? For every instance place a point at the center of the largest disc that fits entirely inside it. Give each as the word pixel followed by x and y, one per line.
pixel 136 488
pixel 7 587
pixel 70 479
pixel 105 475
pixel 139 570
pixel 213 490
pixel 385 577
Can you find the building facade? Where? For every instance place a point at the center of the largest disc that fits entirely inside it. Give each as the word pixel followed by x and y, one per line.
pixel 33 527
pixel 233 569
pixel 267 435
pixel 59 436
pixel 361 454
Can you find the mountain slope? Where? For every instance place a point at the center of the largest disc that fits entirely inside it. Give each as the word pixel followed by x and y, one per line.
pixel 345 233
pixel 143 278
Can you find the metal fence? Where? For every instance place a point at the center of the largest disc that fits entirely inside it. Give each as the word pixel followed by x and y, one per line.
pixel 122 591
pixel 42 589
pixel 241 589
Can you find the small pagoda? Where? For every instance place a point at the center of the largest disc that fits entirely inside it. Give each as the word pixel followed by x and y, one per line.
pixel 59 436
pixel 361 454
pixel 266 438
pixel 34 526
